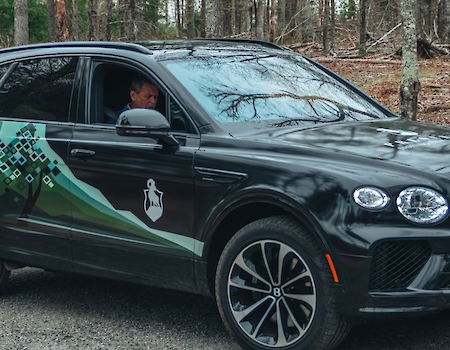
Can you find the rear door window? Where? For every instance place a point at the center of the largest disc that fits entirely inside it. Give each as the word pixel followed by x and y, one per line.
pixel 39 89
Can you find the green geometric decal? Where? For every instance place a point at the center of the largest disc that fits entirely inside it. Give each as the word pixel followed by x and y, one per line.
pixel 34 179
pixel 22 163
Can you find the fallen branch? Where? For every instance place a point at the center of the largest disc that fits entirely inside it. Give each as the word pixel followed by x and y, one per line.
pixel 384 36
pixel 297 45
pixel 357 60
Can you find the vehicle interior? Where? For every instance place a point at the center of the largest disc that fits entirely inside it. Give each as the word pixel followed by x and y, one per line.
pixel 111 92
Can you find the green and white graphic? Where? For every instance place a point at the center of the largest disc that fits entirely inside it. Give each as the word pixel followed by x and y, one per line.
pixel 24 166
pixel 35 181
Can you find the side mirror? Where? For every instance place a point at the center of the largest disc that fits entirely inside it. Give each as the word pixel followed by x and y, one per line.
pixel 145 122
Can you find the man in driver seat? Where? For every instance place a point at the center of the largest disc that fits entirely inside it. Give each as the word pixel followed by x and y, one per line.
pixel 143 94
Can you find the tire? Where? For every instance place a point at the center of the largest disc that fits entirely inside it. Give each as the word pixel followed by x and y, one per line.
pixel 4 275
pixel 268 306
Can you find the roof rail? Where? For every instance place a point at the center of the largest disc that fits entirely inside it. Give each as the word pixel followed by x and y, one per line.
pixel 99 44
pixel 248 41
pixel 160 44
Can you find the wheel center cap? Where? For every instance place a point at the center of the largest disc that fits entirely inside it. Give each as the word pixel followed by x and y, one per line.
pixel 277 292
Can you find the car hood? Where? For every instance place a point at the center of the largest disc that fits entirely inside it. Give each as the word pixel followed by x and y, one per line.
pixel 418 145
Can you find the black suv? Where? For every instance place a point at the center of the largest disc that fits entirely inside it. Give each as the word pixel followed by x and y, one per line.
pixel 260 177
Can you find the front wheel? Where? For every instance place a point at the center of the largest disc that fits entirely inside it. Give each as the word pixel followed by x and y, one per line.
pixel 274 289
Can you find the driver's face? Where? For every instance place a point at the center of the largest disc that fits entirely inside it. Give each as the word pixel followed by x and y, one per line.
pixel 147 98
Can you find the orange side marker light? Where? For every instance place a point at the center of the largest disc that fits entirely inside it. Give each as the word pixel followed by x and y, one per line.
pixel 332 268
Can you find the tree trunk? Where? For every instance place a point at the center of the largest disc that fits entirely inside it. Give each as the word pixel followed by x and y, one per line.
pixel 121 8
pixel 242 18
pixel 62 18
pixel 51 20
pixel 166 12
pixel 109 19
pixel 203 19
pixel 410 85
pixel 444 21
pixel 260 16
pixel 228 14
pixel 281 20
pixel 425 19
pixel 233 16
pixel 75 21
pixel 362 28
pixel 332 24
pixel 20 22
pixel 178 16
pixel 214 19
pixel 307 23
pixel 319 17
pixel 190 18
pixel 326 27
pixel 129 23
pixel 136 20
pixel 272 21
pixel 93 21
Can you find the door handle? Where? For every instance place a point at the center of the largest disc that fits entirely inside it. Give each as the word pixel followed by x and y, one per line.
pixel 77 152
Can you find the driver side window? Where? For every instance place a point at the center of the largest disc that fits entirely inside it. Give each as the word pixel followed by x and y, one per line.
pixel 111 89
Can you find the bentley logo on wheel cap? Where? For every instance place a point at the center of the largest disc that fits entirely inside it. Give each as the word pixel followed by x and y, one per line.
pixel 153 204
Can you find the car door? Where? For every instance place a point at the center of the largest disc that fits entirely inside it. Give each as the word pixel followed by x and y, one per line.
pixel 35 211
pixel 133 200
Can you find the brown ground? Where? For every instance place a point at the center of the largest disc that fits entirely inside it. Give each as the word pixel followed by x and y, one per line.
pixel 380 77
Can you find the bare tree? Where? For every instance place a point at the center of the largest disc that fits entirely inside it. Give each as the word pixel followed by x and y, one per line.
pixel 75 21
pixel 326 26
pixel 281 20
pixel 228 14
pixel 94 27
pixel 260 18
pixel 20 22
pixel 109 18
pixel 306 21
pixel 243 18
pixel 190 18
pixel 427 10
pixel 410 85
pixel 214 18
pixel 51 20
pixel 62 18
pixel 362 28
pixel 444 21
pixel 203 19
pixel 178 15
pixel 332 24
pixel 136 20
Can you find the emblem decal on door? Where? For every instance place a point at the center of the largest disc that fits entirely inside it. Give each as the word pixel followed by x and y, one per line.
pixel 153 204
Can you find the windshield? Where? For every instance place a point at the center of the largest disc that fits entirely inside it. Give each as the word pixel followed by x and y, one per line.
pixel 278 88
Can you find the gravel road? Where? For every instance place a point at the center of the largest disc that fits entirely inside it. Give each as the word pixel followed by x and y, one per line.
pixel 44 310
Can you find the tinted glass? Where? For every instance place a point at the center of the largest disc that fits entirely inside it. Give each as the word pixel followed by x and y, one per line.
pixel 279 89
pixel 179 121
pixel 3 70
pixel 39 89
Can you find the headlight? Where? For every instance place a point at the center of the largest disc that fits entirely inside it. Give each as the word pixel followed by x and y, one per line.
pixel 371 198
pixel 422 205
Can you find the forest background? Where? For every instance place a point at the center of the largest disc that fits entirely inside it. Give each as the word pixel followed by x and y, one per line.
pixel 361 40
